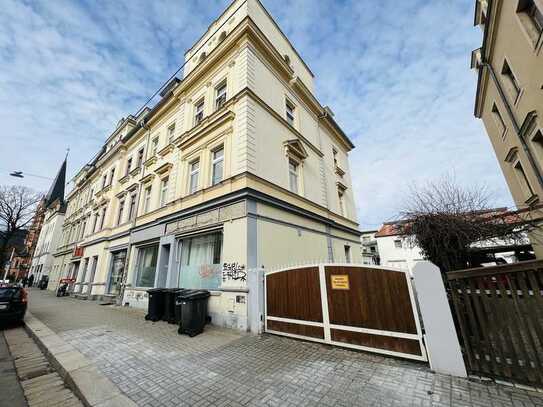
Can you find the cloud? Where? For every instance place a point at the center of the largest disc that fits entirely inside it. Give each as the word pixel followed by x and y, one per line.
pixel 395 73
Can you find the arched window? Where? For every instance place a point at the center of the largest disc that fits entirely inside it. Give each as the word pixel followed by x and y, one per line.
pixel 222 36
pixel 203 56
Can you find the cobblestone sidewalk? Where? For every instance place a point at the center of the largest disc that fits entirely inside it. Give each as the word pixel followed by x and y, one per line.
pixel 154 366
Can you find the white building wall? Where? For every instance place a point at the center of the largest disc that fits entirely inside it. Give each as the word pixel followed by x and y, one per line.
pixel 404 257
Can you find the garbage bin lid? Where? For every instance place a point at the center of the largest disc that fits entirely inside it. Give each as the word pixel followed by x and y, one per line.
pixel 155 290
pixel 193 294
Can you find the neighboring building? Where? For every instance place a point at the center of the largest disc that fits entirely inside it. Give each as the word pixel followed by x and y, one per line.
pixel 51 230
pixel 396 250
pixel 370 250
pixel 509 96
pixel 22 262
pixel 14 249
pixel 237 167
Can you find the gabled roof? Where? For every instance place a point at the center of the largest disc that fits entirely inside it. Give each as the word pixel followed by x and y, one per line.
pixel 57 188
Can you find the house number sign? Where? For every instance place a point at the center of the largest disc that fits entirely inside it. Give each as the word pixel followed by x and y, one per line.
pixel 340 281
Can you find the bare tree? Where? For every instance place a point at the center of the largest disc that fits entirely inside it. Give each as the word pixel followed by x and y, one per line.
pixel 445 220
pixel 17 207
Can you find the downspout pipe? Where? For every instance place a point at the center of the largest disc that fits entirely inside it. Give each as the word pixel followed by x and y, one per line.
pixel 141 125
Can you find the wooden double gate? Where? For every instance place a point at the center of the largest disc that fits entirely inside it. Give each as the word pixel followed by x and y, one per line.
pixel 499 311
pixel 362 307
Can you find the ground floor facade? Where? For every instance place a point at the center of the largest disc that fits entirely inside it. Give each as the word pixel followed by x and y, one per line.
pixel 216 246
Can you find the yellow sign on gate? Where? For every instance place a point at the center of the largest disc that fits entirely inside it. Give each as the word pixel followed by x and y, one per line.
pixel 340 281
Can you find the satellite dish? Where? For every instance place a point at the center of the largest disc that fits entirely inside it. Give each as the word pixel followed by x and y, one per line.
pixel 17 174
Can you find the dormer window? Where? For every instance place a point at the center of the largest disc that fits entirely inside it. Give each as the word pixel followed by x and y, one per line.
pixel 199 112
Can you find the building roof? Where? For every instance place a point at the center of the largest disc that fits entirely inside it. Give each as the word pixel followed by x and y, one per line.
pixel 57 188
pixel 395 228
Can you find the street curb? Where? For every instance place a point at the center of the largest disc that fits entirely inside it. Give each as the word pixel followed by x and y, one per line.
pixel 80 375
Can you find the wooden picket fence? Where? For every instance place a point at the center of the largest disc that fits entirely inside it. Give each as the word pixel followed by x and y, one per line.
pixel 499 312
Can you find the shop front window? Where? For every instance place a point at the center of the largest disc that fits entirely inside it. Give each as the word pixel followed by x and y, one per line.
pixel 146 268
pixel 116 273
pixel 201 262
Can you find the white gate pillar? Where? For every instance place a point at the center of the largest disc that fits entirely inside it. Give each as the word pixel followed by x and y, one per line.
pixel 255 300
pixel 441 339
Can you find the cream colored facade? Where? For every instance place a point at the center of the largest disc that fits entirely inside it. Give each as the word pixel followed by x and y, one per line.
pixel 509 96
pixel 237 167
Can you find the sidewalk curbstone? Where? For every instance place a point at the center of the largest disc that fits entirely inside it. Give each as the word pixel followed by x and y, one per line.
pixel 92 387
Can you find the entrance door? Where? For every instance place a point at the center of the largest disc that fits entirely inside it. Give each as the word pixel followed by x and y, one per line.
pixel 361 307
pixel 116 273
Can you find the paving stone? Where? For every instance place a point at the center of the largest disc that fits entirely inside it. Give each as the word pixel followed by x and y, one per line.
pixel 152 365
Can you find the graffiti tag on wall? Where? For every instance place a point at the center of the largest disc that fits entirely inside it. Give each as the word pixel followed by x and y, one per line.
pixel 234 272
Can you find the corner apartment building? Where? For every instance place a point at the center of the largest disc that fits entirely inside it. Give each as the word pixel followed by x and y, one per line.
pixel 509 96
pixel 54 210
pixel 237 167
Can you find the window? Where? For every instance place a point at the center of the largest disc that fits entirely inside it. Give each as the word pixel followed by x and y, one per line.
pixel 347 254
pixel 94 224
pixel 83 228
pixel 171 132
pixel 398 244
pixel 217 166
pixel 132 207
pixel 537 141
pixel 293 175
pixel 290 113
pixel 104 181
pixel 139 161
pixel 523 180
pixel 146 266
pixel 154 146
pixel 334 154
pixel 163 192
pixel 220 96
pixel 120 213
pixel 531 17
pixel 340 195
pixel 147 199
pixel 103 218
pixel 112 176
pixel 499 121
pixel 201 258
pixel 199 112
pixel 193 178
pixel 128 165
pixel 510 81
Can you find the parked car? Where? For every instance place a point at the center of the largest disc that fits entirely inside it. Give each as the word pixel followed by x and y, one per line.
pixel 13 303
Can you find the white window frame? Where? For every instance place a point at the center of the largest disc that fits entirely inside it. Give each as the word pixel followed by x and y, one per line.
pixel 220 95
pixel 290 112
pixel 295 173
pixel 164 191
pixel 199 112
pixel 214 163
pixel 147 198
pixel 171 132
pixel 194 173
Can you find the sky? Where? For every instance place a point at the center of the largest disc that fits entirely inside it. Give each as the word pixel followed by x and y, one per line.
pixel 395 73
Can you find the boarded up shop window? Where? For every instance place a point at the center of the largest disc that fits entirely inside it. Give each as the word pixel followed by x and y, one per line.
pixel 201 262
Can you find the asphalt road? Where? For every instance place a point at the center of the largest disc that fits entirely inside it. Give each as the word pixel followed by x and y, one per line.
pixel 11 393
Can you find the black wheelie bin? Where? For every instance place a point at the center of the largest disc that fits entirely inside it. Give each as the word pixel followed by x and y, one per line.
pixel 170 295
pixel 192 307
pixel 155 308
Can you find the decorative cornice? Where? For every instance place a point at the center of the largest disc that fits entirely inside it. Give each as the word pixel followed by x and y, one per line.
pixel 164 168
